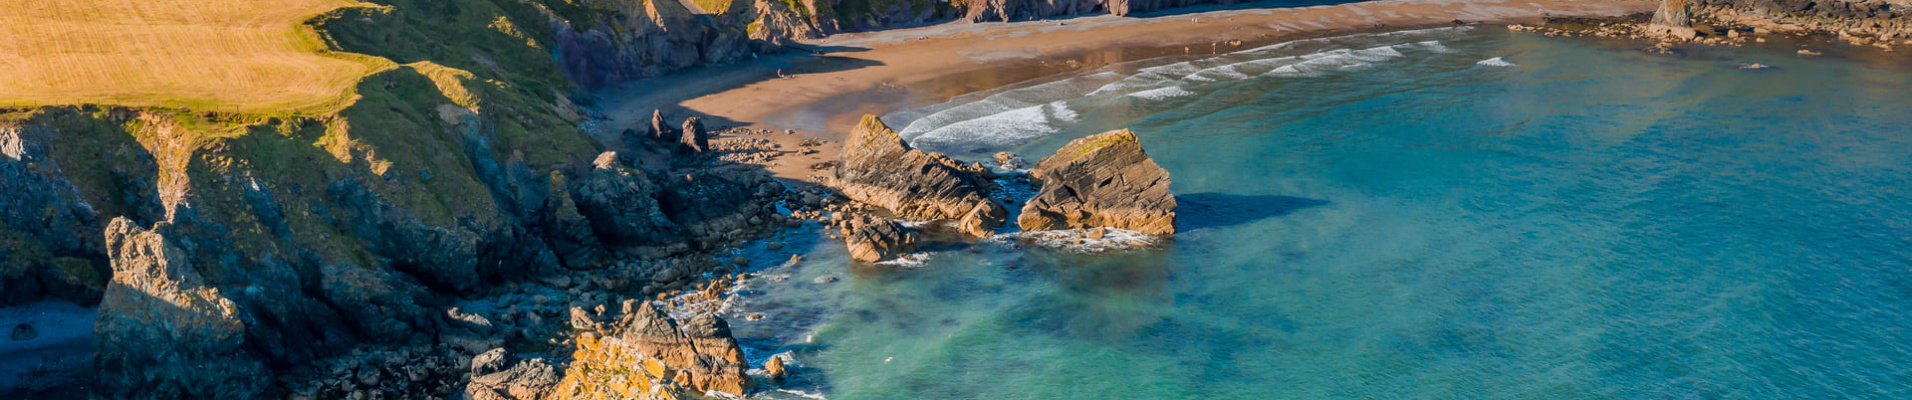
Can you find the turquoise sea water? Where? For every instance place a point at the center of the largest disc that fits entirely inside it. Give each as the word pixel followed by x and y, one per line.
pixel 1461 213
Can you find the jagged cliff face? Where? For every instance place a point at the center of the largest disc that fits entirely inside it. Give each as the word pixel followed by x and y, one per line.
pixel 1840 9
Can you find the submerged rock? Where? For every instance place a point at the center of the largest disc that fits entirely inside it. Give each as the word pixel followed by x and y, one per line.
pixel 1103 180
pixel 872 239
pixel 878 168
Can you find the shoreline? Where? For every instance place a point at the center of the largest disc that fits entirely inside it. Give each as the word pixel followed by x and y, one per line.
pixel 874 72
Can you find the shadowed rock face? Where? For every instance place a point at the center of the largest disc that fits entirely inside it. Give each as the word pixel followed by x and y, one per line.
pixel 1103 180
pixel 877 168
pixel 163 332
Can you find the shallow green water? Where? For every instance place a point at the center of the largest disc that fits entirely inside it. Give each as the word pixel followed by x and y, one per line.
pixel 1398 216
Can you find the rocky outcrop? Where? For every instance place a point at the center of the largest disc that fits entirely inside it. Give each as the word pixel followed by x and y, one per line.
pixel 661 130
pixel 1015 10
pixel 872 239
pixel 1126 7
pixel 163 331
pixel 1103 180
pixel 1671 21
pixel 621 204
pixel 499 375
pixel 49 244
pixel 774 23
pixel 696 138
pixel 648 38
pixel 639 352
pixel 879 169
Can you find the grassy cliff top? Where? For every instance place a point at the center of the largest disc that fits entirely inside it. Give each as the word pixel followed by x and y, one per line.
pixel 218 55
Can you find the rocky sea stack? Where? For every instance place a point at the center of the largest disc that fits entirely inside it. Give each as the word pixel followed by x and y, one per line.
pixel 1103 180
pixel 879 169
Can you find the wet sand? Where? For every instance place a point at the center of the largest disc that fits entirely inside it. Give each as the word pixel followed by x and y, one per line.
pixel 822 95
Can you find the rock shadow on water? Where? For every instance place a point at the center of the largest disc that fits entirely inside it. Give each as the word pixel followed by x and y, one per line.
pixel 1219 210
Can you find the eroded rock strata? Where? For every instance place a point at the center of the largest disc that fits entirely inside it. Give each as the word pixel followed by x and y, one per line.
pixel 879 169
pixel 1104 180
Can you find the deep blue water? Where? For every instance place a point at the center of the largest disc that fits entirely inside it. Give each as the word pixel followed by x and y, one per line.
pixel 1451 214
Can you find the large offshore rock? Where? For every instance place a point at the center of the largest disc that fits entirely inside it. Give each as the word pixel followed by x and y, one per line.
pixel 873 239
pixel 1103 180
pixel 163 332
pixel 647 355
pixel 878 168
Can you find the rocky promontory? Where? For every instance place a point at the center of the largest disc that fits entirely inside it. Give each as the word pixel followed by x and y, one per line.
pixel 1101 181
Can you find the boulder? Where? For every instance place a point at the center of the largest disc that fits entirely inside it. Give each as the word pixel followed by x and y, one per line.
pixel 661 131
pixel 878 168
pixel 872 239
pixel 1103 180
pixel 774 367
pixel 163 331
pixel 696 138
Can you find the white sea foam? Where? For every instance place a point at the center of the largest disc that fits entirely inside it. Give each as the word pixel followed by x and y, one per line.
pixel 912 260
pixel 1003 128
pixel 1015 116
pixel 1078 240
pixel 803 394
pixel 1163 93
pixel 1497 62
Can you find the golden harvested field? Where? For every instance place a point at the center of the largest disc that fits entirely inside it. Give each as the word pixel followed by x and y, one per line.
pixel 215 55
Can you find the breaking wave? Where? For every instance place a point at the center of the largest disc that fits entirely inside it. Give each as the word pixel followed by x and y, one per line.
pixel 1009 117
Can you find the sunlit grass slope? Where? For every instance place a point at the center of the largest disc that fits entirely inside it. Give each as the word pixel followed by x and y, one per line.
pixel 218 55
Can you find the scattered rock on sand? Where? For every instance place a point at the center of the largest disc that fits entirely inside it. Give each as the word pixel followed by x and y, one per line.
pixel 879 169
pixel 1103 180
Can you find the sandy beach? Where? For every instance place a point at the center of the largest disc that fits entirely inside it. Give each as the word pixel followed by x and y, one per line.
pixel 822 94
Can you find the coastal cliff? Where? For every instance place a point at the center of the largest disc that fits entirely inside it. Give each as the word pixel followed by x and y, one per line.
pixel 322 253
